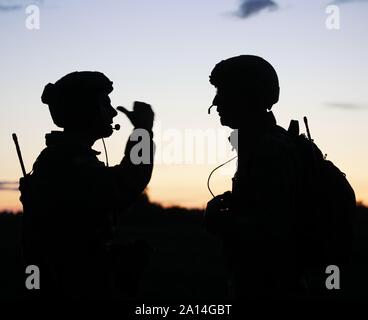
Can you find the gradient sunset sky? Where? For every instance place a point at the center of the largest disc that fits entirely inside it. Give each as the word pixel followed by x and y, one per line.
pixel 162 52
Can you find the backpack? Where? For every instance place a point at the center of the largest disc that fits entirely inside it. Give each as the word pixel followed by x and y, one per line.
pixel 327 207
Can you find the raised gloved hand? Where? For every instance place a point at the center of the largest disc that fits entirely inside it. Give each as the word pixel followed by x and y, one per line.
pixel 141 117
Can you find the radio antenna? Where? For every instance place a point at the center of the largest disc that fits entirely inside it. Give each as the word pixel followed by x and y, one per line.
pixel 307 128
pixel 15 139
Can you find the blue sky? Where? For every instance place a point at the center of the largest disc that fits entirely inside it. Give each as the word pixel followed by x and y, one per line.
pixel 162 52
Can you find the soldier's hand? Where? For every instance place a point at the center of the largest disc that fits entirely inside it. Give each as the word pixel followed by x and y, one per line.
pixel 142 115
pixel 219 204
pixel 218 213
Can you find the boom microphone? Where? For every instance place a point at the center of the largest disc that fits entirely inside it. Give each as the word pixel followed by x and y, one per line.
pixel 209 109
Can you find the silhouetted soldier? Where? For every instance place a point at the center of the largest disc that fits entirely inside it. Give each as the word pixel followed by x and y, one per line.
pixel 71 197
pixel 256 219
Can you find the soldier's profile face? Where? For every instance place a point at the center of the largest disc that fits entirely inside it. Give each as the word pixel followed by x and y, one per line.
pixel 104 116
pixel 228 106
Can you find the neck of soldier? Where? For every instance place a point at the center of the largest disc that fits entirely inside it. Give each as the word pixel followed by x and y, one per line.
pixel 81 137
pixel 257 123
pixel 249 133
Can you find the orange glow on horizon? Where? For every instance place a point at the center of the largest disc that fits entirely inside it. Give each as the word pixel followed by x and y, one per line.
pixel 9 200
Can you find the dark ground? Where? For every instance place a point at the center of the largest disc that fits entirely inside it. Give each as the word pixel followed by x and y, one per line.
pixel 185 262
